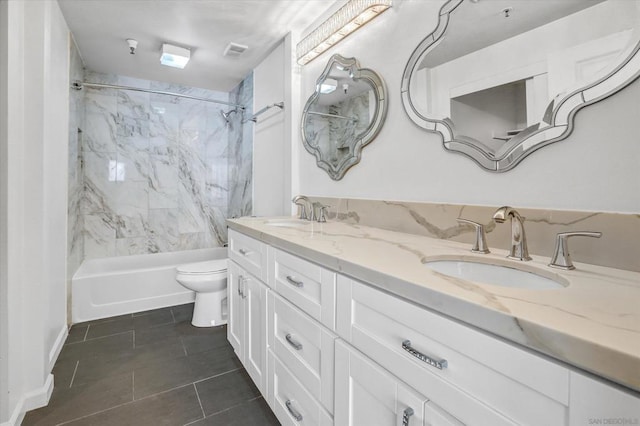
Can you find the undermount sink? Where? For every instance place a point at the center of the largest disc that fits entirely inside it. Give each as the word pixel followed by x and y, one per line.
pixel 288 223
pixel 494 274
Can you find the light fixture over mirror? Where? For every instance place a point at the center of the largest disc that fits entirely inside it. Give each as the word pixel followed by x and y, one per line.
pixel 350 17
pixel 344 114
pixel 500 79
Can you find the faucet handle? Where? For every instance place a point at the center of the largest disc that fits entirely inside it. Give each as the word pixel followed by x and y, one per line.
pixel 319 212
pixel 480 245
pixel 322 214
pixel 561 258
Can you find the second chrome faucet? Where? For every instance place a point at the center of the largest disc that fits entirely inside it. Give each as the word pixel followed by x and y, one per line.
pixel 518 250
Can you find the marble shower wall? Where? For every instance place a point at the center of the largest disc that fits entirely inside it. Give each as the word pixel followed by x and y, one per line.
pixel 156 169
pixel 75 248
pixel 618 247
pixel 241 151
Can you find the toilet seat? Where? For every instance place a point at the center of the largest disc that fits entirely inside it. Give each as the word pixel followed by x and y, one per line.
pixel 203 268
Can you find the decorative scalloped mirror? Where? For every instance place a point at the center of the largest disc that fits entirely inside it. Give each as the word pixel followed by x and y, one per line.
pixel 500 79
pixel 344 114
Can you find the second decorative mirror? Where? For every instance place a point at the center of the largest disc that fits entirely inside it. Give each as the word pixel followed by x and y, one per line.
pixel 501 79
pixel 344 114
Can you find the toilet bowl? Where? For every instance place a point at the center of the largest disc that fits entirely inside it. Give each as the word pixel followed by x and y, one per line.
pixel 209 281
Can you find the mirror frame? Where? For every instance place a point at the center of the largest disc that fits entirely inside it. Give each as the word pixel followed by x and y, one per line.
pixel 559 116
pixel 377 83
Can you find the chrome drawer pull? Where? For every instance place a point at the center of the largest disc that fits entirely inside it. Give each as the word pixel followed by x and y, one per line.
pixel 294 281
pixel 244 252
pixel 296 345
pixel 293 411
pixel 438 363
pixel 408 412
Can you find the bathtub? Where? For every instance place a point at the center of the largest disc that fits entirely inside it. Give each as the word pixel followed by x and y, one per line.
pixel 112 286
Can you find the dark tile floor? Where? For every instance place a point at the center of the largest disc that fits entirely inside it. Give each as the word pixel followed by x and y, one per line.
pixel 151 368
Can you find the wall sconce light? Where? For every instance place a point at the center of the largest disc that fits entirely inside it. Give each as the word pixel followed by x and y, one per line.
pixel 346 20
pixel 174 56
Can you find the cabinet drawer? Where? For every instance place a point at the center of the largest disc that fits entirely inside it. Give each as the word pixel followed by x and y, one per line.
pixel 249 253
pixel 304 346
pixel 305 284
pixel 409 341
pixel 290 401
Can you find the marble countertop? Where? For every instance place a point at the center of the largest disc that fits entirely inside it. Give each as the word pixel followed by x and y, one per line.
pixel 593 323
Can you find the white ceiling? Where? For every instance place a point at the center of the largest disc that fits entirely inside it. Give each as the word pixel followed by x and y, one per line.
pixel 101 27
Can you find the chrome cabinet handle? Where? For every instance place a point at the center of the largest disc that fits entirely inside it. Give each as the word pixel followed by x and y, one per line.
pixel 438 363
pixel 244 287
pixel 241 291
pixel 294 281
pixel 293 411
pixel 244 252
pixel 408 412
pixel 296 345
pixel 240 279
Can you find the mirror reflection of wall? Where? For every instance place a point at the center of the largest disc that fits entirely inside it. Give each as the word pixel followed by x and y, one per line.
pixel 492 116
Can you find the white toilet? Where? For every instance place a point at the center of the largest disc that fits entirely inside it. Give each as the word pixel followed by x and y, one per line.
pixel 209 281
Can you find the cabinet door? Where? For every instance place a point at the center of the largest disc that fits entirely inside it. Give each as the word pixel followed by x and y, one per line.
pixel 235 324
pixel 366 394
pixel 255 342
pixel 596 402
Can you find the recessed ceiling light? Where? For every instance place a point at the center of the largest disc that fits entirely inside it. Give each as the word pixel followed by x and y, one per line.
pixel 174 56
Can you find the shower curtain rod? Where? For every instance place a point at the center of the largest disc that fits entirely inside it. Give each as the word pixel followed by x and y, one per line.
pixel 78 85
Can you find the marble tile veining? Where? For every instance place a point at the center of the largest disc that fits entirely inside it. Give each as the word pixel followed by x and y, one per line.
pixel 156 169
pixel 619 246
pixel 240 172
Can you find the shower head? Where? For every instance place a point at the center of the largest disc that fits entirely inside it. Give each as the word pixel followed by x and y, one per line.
pixel 226 115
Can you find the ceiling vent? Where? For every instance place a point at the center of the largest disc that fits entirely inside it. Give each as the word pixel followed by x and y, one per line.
pixel 235 49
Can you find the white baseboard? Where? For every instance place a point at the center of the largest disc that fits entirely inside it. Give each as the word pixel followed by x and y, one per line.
pixel 30 401
pixel 57 346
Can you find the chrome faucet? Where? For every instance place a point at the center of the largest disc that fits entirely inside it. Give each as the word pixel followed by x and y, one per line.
pixel 304 206
pixel 519 249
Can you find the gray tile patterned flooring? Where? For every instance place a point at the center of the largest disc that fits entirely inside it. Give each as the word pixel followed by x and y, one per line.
pixel 151 368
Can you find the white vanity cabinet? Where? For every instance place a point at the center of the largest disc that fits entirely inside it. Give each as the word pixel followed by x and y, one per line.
pixel 247 328
pixel 326 349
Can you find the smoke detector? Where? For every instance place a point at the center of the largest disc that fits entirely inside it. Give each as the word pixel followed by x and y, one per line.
pixel 235 49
